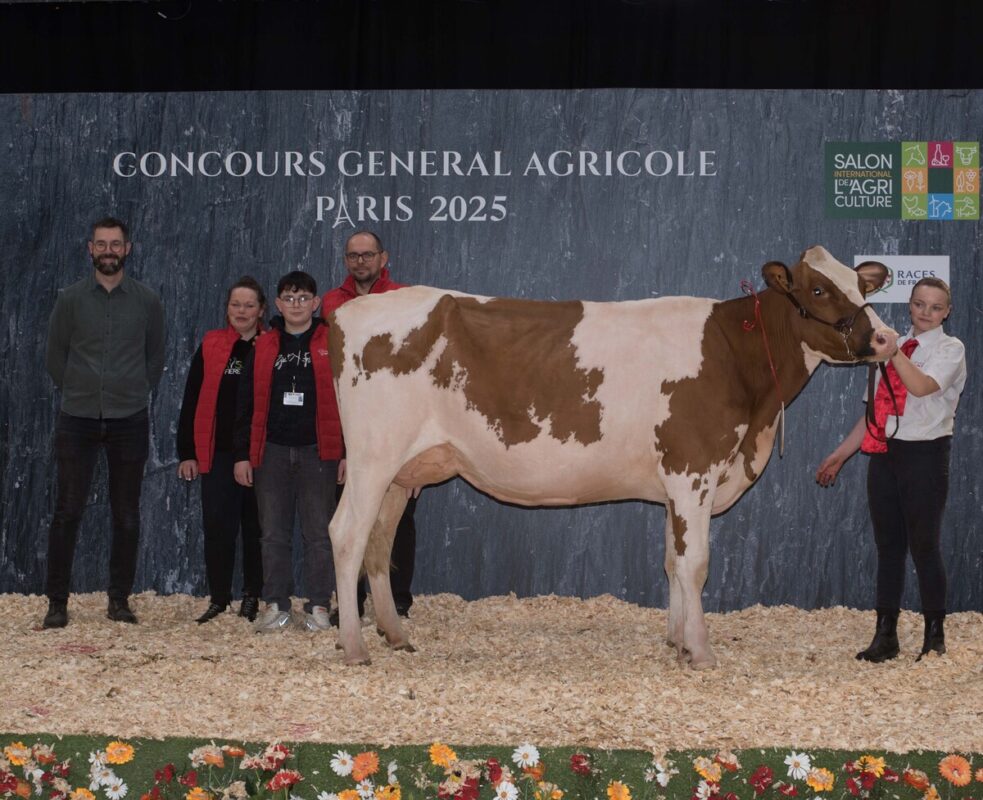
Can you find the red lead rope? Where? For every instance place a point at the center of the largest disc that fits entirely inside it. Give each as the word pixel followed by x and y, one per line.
pixel 748 325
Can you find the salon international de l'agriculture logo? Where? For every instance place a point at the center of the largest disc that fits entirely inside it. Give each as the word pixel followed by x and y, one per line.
pixel 932 180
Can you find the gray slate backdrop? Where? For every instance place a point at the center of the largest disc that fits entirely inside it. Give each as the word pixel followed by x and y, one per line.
pixel 597 238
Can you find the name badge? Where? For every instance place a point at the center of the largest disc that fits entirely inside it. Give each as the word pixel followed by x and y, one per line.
pixel 293 398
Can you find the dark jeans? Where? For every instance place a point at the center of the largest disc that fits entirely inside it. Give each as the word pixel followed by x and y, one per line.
pixel 907 488
pixel 293 478
pixel 227 508
pixel 77 444
pixel 403 557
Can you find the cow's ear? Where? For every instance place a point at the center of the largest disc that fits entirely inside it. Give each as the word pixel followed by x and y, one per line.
pixel 777 276
pixel 872 275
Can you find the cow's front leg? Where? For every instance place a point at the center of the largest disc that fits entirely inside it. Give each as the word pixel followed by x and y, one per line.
pixel 349 531
pixel 377 565
pixel 690 520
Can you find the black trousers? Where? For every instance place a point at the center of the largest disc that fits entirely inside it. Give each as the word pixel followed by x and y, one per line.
pixel 78 442
pixel 226 510
pixel 907 489
pixel 403 557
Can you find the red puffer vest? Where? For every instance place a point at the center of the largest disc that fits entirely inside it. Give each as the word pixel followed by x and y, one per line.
pixel 330 445
pixel 216 348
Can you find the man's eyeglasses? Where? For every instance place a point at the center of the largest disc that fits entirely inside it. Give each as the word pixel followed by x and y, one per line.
pixel 101 246
pixel 296 300
pixel 368 255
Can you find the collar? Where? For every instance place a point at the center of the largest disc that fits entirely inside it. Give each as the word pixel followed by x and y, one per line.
pixel 928 338
pixel 349 288
pixel 93 284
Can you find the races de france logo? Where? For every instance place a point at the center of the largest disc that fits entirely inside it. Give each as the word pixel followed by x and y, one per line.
pixel 931 180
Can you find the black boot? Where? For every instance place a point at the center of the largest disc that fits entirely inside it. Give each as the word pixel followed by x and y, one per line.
pixel 119 610
pixel 934 641
pixel 57 616
pixel 884 646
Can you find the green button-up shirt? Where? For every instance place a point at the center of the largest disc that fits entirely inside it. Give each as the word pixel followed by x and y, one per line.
pixel 106 349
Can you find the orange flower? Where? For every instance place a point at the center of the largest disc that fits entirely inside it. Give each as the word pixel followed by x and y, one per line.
pixel 348 794
pixel 17 753
pixel 916 779
pixel 979 775
pixel 23 789
pixel 388 792
pixel 932 793
pixel 213 759
pixel 197 793
pixel 537 772
pixel 119 753
pixel 82 794
pixel 364 764
pixel 709 770
pixel 233 750
pixel 441 755
pixel 820 779
pixel 956 770
pixel 872 764
pixel 618 791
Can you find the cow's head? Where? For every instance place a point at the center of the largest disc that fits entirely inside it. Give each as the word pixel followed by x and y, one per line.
pixel 830 314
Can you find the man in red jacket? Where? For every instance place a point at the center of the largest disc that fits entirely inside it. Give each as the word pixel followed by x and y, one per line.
pixel 366 260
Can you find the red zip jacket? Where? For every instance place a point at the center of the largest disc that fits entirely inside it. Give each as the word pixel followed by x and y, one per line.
pixel 330 445
pixel 216 348
pixel 345 292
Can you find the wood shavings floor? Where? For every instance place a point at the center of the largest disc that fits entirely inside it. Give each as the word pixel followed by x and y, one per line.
pixel 549 670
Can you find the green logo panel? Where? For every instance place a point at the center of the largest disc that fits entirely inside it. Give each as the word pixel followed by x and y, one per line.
pixel 862 180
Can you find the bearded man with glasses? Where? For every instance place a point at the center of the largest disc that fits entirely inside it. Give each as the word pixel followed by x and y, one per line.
pixel 368 273
pixel 105 354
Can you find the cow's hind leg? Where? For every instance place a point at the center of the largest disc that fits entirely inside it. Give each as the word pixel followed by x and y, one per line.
pixel 349 529
pixel 674 636
pixel 377 566
pixel 690 534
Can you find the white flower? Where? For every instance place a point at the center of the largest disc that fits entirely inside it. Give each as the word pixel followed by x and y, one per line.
pixel 798 765
pixel 506 791
pixel 366 789
pixel 703 790
pixel 296 797
pixel 526 755
pixel 664 773
pixel 116 790
pixel 650 774
pixel 342 763
pixel 327 796
pixel 104 776
pixel 97 757
pixel 391 773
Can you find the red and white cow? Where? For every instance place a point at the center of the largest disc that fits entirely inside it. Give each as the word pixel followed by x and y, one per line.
pixel 559 403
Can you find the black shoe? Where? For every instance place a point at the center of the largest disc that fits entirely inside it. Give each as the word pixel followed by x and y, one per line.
pixel 119 611
pixel 403 609
pixel 934 641
pixel 57 616
pixel 213 610
pixel 249 607
pixel 884 645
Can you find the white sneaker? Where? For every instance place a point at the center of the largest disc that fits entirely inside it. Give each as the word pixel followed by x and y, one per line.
pixel 318 619
pixel 271 620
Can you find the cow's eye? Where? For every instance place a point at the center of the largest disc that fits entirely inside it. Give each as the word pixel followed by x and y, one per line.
pixel 818 291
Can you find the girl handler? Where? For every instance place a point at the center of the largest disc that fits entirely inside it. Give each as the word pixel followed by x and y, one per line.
pixel 204 440
pixel 908 473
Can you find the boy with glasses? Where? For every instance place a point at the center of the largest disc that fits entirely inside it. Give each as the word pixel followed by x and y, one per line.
pixel 288 442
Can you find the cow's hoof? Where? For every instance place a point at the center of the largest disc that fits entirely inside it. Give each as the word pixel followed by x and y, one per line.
pixel 706 661
pixel 357 661
pixel 406 647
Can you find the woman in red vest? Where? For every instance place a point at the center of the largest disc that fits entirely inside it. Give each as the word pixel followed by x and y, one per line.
pixel 204 442
pixel 908 472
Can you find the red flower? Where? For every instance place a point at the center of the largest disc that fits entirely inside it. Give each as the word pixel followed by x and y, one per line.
pixel 852 785
pixel 166 774
pixel 8 783
pixel 788 790
pixel 850 767
pixel 580 764
pixel 284 779
pixel 190 778
pixel 278 754
pixel 890 775
pixel 867 780
pixel 494 770
pixel 730 796
pixel 761 779
pixel 469 791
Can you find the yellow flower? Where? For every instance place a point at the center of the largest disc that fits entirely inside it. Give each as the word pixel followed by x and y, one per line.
pixel 956 770
pixel 388 792
pixel 932 793
pixel 197 793
pixel 82 794
pixel 441 755
pixel 872 764
pixel 17 754
pixel 119 753
pixel 618 791
pixel 348 794
pixel 709 770
pixel 820 779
